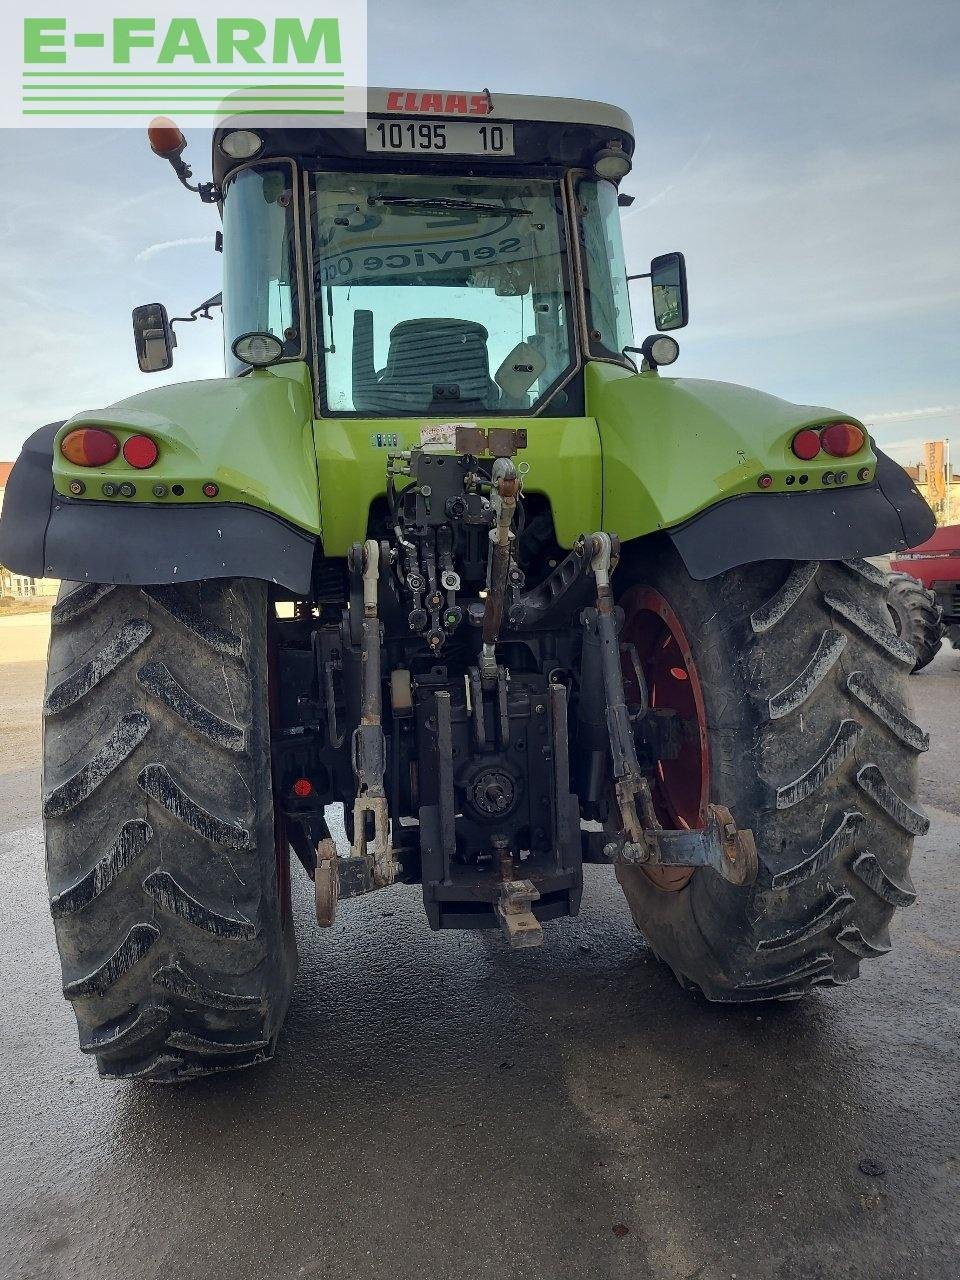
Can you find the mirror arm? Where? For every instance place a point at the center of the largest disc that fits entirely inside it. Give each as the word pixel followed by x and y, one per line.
pixel 643 275
pixel 199 313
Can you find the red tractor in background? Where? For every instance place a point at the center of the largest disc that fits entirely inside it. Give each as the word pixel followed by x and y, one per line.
pixel 924 595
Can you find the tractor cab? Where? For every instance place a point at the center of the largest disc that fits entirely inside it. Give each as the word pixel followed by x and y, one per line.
pixel 462 255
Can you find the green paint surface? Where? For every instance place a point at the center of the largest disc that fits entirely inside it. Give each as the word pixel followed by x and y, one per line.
pixel 674 446
pixel 653 452
pixel 563 455
pixel 252 436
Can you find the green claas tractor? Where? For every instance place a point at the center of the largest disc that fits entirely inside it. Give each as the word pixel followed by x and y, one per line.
pixel 446 549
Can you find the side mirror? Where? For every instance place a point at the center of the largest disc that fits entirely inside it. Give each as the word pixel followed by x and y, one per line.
pixel 153 337
pixel 668 283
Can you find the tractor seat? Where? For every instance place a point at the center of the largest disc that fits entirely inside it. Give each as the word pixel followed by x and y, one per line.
pixel 433 362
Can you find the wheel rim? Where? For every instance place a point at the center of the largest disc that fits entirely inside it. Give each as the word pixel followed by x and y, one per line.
pixel 681 788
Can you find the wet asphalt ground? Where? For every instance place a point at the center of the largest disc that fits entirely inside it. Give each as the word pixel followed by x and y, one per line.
pixel 442 1108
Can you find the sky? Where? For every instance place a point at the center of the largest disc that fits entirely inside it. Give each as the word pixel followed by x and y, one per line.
pixel 804 156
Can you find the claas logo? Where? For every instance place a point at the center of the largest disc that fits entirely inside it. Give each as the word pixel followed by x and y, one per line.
pixel 447 104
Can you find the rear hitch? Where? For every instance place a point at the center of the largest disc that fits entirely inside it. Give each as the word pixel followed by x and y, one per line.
pixel 520 926
pixel 479 752
pixel 326 882
pixel 513 905
pixel 720 845
pixel 371 820
pixel 629 782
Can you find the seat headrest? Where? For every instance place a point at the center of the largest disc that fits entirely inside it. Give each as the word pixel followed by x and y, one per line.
pixel 439 324
pixel 429 353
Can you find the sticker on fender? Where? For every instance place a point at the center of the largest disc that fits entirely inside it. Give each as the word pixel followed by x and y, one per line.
pixel 442 433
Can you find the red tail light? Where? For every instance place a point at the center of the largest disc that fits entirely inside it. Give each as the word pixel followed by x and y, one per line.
pixel 140 451
pixel 806 444
pixel 89 447
pixel 842 439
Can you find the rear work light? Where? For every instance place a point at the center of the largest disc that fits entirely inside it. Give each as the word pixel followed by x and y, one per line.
pixel 140 451
pixel 89 447
pixel 842 439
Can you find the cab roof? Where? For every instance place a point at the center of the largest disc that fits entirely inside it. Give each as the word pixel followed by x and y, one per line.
pixel 558 131
pixel 455 104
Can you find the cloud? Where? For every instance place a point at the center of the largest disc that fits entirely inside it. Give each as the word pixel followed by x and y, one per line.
pixel 910 415
pixel 907 452
pixel 805 241
pixel 684 168
pixel 152 250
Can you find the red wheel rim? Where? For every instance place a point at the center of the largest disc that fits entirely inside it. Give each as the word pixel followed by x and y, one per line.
pixel 681 788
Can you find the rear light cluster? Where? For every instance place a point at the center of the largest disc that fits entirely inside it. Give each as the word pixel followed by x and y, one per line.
pixel 839 440
pixel 94 447
pixel 89 447
pixel 97 447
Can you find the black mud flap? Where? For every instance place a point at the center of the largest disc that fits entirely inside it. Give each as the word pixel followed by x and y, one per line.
pixel 828 524
pixel 27 500
pixel 45 535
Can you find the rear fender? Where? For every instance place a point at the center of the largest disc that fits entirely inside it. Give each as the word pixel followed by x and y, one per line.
pixel 685 456
pixel 251 437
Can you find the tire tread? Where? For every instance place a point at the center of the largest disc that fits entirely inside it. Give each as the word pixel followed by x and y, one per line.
pixel 177 950
pixel 802 664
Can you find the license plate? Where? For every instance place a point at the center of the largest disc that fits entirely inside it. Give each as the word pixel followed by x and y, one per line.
pixel 454 137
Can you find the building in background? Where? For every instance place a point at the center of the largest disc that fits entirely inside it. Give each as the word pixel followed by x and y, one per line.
pixel 934 477
pixel 19 585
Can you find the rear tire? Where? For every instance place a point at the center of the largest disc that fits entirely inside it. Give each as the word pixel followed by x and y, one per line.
pixel 916 616
pixel 174 932
pixel 809 742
